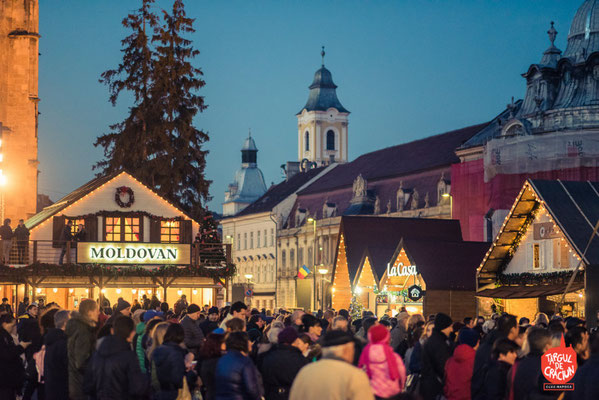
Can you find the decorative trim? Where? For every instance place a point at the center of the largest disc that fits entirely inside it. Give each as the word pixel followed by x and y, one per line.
pixel 528 278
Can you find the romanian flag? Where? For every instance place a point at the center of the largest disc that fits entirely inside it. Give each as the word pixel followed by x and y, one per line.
pixel 303 272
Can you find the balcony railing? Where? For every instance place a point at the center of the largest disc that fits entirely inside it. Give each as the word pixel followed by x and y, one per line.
pixel 49 252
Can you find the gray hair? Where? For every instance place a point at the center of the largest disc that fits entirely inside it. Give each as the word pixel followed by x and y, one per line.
pixel 61 317
pixel 273 334
pixel 335 351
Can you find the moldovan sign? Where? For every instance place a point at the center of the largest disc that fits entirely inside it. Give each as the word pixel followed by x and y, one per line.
pixel 401 270
pixel 133 253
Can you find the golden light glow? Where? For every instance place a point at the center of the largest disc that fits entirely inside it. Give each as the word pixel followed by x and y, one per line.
pixel 38 290
pixel 118 291
pixel 55 290
pixel 195 291
pixel 133 291
pixel 71 290
pixel 179 292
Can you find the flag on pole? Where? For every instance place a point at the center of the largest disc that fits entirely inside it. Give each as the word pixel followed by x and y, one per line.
pixel 303 272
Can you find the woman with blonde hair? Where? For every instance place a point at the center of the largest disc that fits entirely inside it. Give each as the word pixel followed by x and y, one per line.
pixel 157 337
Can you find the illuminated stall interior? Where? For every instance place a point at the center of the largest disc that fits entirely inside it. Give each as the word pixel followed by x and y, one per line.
pixel 379 259
pixel 539 245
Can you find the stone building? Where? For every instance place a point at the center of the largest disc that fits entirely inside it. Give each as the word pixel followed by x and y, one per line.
pixel 19 37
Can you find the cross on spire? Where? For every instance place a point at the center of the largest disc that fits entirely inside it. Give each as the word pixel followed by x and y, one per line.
pixel 322 53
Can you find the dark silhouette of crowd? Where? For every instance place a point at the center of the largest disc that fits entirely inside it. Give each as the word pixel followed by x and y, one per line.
pixel 148 350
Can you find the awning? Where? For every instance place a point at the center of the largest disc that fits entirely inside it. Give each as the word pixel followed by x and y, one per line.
pixel 527 292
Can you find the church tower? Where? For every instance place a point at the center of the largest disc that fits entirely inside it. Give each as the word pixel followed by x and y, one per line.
pixel 322 123
pixel 19 37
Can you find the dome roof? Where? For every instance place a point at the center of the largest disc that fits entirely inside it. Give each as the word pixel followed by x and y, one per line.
pixel 250 184
pixel 583 38
pixel 249 144
pixel 323 94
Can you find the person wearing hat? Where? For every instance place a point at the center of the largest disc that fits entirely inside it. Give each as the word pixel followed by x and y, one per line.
pixel 435 353
pixel 282 364
pixel 333 376
pixel 194 337
pixel 459 367
pixel 211 323
pixel 122 308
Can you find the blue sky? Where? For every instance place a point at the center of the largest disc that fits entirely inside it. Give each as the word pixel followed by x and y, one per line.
pixel 406 69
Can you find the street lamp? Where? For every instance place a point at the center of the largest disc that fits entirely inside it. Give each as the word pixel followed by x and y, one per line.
pixel 313 222
pixel 450 197
pixel 322 271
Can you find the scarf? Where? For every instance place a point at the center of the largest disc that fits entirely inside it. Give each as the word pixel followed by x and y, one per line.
pixel 379 335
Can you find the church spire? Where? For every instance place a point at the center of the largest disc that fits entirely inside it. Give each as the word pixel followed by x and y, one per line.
pixel 322 53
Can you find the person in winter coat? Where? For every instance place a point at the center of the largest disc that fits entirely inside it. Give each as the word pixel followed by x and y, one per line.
pixel 282 364
pixel 122 308
pixel 12 369
pixel 81 340
pixel 56 361
pixel 211 352
pixel 22 235
pixel 113 372
pixel 384 367
pixel 172 363
pixel 586 380
pixel 504 355
pixel 435 353
pixel 6 235
pixel 236 377
pixel 210 323
pixel 458 369
pixel 29 330
pixel 506 327
pixel 194 337
pixel 399 333
pixel 528 379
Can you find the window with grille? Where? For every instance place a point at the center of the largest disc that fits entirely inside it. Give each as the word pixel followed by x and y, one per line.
pixel 122 229
pixel 170 231
pixel 76 224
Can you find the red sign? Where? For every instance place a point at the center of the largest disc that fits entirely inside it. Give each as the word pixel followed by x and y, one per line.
pixel 559 365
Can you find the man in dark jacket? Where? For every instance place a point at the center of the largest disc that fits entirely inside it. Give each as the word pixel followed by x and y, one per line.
pixel 281 365
pixel 586 380
pixel 435 353
pixel 210 323
pixel 507 328
pixel 194 338
pixel 22 235
pixel 122 308
pixel 505 352
pixel 528 380
pixel 56 361
pixel 5 307
pixel 114 371
pixel 6 236
pixel 236 377
pixel 81 340
pixel 28 330
pixel 66 236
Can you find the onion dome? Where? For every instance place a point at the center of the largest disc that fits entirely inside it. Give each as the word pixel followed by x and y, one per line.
pixel 323 94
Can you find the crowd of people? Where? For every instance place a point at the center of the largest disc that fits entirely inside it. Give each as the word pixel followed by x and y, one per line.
pixel 148 350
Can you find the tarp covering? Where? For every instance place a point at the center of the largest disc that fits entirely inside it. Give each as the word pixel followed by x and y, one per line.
pixel 534 153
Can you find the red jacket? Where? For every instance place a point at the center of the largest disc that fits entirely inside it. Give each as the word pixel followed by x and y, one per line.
pixel 458 373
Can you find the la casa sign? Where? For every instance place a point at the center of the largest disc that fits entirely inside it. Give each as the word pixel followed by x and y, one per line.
pixel 133 253
pixel 401 270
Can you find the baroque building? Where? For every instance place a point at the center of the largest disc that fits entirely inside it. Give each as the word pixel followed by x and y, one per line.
pixel 249 183
pixel 322 122
pixel 19 41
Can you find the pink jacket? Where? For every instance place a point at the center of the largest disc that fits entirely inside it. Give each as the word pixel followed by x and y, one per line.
pixel 381 383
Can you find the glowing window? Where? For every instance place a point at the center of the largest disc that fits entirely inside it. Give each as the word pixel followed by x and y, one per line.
pixel 170 231
pixel 120 229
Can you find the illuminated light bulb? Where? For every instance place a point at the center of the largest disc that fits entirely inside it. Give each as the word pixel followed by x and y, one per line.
pixel 118 291
pixel 55 290
pixel 133 291
pixel 103 291
pixel 179 292
pixel 38 290
pixel 86 290
pixel 195 291
pixel 150 291
pixel 71 290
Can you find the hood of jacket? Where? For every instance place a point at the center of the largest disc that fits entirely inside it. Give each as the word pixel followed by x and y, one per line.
pixel 112 345
pixel 54 335
pixel 78 322
pixel 464 353
pixel 164 352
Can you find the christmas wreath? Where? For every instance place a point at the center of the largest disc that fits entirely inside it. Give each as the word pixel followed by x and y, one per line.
pixel 122 191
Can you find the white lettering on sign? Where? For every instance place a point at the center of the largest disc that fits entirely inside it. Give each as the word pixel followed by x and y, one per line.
pixel 401 270
pixel 133 253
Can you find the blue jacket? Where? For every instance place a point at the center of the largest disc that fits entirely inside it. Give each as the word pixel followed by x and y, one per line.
pixel 237 378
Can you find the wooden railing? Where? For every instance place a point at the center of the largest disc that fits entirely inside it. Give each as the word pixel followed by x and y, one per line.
pixel 49 252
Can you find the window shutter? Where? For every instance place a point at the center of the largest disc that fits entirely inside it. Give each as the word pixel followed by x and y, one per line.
pixel 155 230
pixel 186 232
pixel 58 224
pixel 91 229
pixel 529 260
pixel 548 252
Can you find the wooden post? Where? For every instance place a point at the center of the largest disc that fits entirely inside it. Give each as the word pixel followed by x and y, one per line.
pixel 228 253
pixel 68 252
pixel 34 251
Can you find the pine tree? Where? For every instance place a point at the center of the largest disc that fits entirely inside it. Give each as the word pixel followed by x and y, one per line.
pixel 355 309
pixel 157 141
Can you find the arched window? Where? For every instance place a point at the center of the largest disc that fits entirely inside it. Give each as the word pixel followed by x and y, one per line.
pixel 330 140
pixel 307 140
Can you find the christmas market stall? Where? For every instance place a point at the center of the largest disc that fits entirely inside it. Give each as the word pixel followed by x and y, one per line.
pixel 545 257
pixel 420 264
pixel 115 237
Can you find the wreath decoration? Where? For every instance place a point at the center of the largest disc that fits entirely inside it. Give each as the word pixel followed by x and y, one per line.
pixel 121 191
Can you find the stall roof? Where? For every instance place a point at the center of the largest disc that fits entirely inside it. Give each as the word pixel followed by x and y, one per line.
pixel 527 292
pixel 445 265
pixel 381 235
pixel 574 206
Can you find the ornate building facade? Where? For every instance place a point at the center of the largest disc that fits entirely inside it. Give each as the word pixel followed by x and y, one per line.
pixel 19 39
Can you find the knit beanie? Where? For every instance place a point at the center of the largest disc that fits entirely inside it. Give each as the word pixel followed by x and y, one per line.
pixel 468 336
pixel 442 321
pixel 193 308
pixel 122 305
pixel 287 335
pixel 213 310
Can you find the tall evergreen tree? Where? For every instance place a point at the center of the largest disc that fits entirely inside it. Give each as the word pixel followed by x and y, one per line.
pixel 157 140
